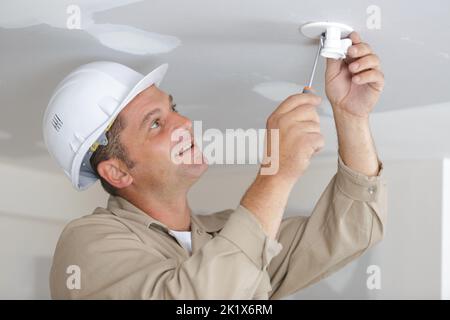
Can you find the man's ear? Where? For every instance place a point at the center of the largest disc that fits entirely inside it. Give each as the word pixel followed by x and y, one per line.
pixel 114 171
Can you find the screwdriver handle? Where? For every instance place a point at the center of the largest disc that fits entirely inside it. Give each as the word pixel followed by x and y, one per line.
pixel 307 89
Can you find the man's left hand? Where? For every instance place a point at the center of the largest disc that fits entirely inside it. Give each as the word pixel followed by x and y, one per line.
pixel 353 85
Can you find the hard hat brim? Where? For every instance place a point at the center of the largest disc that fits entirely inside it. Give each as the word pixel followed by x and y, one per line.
pixel 82 182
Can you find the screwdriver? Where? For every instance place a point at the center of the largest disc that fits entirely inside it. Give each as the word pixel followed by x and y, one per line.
pixel 308 88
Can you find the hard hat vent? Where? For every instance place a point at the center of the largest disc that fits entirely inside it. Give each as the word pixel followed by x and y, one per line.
pixel 57 122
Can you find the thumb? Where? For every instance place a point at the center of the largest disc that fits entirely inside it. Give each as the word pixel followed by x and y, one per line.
pixel 333 68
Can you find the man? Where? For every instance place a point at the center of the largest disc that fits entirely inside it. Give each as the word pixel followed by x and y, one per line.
pixel 147 244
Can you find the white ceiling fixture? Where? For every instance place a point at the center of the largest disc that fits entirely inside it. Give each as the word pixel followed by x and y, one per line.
pixel 336 42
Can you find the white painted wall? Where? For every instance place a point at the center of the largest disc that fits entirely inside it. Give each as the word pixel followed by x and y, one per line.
pixel 445 231
pixel 34 207
pixel 414 256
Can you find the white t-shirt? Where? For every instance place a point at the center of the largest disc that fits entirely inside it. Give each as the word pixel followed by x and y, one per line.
pixel 184 237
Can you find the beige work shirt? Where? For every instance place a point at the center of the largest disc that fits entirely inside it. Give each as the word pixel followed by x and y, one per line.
pixel 119 252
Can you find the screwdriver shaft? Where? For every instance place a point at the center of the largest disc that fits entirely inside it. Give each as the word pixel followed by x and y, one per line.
pixel 309 87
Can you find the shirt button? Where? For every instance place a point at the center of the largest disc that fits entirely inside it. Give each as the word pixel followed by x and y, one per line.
pixel 199 231
pixel 372 189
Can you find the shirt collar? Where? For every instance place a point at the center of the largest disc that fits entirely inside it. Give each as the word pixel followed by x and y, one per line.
pixel 126 210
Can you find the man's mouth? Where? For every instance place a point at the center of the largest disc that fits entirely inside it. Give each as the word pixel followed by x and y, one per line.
pixel 186 148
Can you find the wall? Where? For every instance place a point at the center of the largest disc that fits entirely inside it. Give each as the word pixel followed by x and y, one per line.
pixel 445 231
pixel 34 207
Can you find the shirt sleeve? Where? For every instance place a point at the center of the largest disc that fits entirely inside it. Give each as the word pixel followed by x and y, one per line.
pixel 115 264
pixel 348 218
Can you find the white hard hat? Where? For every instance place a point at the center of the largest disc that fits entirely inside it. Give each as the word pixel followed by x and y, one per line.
pixel 82 109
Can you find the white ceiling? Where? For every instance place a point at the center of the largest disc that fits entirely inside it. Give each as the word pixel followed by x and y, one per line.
pixel 229 60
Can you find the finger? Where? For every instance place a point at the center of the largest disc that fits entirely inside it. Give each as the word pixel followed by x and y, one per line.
pixel 333 68
pixel 370 61
pixel 309 127
pixel 359 50
pixel 317 141
pixel 304 113
pixel 317 150
pixel 355 37
pixel 298 100
pixel 373 77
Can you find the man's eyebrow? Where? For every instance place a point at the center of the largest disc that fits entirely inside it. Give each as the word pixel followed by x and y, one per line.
pixel 153 112
pixel 148 116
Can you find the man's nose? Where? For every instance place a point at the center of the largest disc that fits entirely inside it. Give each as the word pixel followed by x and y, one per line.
pixel 181 128
pixel 182 122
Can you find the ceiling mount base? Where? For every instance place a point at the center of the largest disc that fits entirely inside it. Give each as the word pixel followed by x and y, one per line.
pixel 336 42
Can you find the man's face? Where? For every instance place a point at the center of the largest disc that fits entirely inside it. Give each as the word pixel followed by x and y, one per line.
pixel 150 123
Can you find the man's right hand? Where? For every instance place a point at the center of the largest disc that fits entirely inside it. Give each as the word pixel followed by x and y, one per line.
pixel 299 139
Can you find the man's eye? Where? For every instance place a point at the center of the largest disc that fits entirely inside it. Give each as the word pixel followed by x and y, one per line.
pixel 155 124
